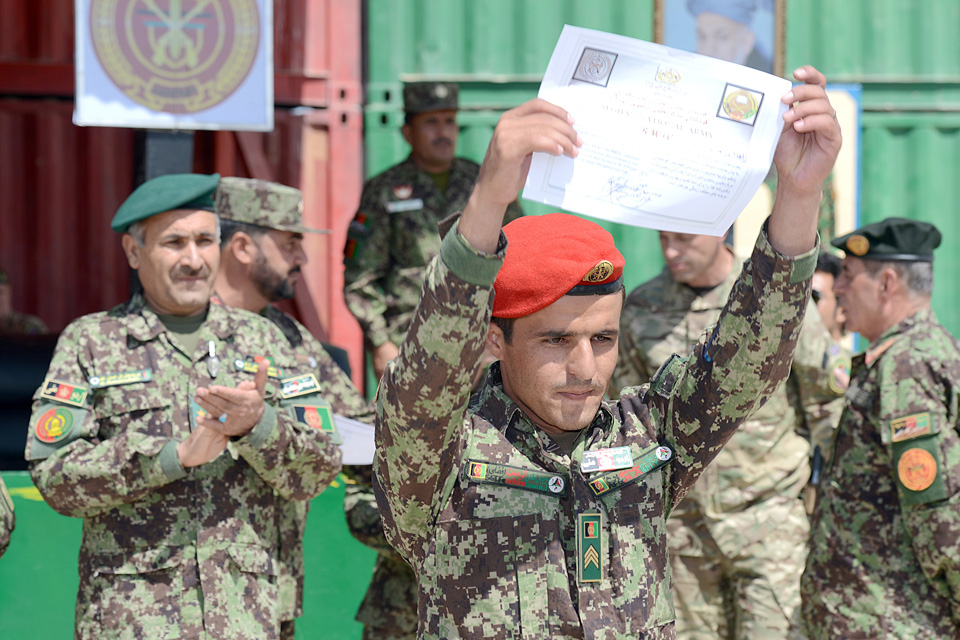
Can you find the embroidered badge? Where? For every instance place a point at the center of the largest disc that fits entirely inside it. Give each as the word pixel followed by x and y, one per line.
pixel 858 245
pixel 250 364
pixel 910 427
pixel 299 386
pixel 600 272
pixel 317 417
pixel 917 469
pixel 647 462
pixel 529 479
pixel 402 191
pixel 606 459
pixel 589 547
pixel 63 392
pixel 117 379
pixel 54 425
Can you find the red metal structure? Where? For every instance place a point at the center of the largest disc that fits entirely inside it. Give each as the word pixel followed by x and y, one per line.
pixel 61 184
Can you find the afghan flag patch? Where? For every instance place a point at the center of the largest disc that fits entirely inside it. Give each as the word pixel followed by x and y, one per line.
pixel 64 393
pixel 317 417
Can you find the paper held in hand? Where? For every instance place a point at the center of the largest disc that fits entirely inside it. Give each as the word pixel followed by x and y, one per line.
pixel 672 140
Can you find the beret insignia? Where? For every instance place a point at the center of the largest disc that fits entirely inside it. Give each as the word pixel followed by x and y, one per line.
pixel 600 272
pixel 858 245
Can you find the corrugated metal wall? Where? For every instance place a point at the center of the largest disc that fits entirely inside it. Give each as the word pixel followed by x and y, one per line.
pixel 906 56
pixel 497 50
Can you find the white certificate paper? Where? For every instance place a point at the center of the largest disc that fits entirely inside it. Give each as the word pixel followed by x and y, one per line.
pixel 357 447
pixel 672 140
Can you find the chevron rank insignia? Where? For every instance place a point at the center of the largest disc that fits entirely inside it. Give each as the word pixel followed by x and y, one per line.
pixel 589 547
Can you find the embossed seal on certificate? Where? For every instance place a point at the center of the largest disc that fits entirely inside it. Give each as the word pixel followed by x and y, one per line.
pixel 595 66
pixel 740 104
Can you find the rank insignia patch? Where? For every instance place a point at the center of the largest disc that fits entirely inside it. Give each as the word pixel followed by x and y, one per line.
pixel 519 478
pixel 589 547
pixel 63 392
pixel 299 386
pixel 317 417
pixel 54 425
pixel 910 427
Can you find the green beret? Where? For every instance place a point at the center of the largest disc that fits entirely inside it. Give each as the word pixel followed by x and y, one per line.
pixel 166 193
pixel 421 97
pixel 265 204
pixel 892 239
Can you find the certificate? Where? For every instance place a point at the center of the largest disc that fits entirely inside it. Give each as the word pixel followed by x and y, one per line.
pixel 672 140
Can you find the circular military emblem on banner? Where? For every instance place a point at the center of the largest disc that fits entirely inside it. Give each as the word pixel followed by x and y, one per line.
pixel 917 469
pixel 54 425
pixel 176 56
pixel 740 104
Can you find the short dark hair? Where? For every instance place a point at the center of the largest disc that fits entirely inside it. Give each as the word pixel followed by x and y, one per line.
pixel 229 228
pixel 829 263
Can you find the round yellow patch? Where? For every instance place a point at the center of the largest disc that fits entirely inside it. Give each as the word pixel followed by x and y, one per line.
pixel 858 245
pixel 600 272
pixel 917 469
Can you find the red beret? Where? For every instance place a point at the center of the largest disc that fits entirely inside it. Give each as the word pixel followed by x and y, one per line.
pixel 551 256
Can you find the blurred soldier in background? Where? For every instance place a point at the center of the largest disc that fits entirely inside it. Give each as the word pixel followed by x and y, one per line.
pixel 7 518
pixel 261 246
pixel 13 322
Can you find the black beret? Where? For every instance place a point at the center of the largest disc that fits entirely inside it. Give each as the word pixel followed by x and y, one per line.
pixel 892 239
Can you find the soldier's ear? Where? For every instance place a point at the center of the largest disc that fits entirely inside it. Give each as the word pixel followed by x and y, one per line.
pixel 407 132
pixel 131 249
pixel 495 341
pixel 243 247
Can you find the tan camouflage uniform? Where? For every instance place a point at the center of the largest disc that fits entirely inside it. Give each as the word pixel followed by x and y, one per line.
pixel 495 561
pixel 169 552
pixel 884 559
pixel 7 517
pixel 738 540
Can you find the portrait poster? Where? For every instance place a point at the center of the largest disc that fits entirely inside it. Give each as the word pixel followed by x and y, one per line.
pixel 174 64
pixel 746 32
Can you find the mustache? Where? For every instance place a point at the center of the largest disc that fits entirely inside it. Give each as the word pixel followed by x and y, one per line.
pixel 186 271
pixel 293 271
pixel 581 387
pixel 443 141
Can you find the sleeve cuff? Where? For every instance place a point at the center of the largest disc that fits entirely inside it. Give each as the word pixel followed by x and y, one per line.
pixel 261 432
pixel 800 267
pixel 467 263
pixel 170 461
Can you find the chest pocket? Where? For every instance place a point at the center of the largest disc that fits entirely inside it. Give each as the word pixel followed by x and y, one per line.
pixel 141 407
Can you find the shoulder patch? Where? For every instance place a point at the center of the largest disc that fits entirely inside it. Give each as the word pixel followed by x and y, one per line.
pixel 917 469
pixel 53 426
pixel 913 426
pixel 666 376
pixel 64 392
pixel 299 386
pixel 313 416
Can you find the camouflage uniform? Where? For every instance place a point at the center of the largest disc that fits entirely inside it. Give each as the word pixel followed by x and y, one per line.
pixel 344 400
pixel 884 558
pixel 169 552
pixel 495 561
pixel 738 540
pixel 393 237
pixel 7 518
pixel 16 323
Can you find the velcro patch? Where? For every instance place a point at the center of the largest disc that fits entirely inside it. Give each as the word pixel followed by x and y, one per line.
pixel 317 417
pixel 54 425
pixel 647 462
pixel 117 379
pixel 552 484
pixel 917 469
pixel 913 426
pixel 64 392
pixel 589 547
pixel 299 386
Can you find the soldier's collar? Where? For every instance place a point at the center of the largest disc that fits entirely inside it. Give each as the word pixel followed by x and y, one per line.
pixel 891 335
pixel 148 326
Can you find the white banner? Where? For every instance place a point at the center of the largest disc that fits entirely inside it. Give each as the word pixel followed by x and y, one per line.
pixel 175 64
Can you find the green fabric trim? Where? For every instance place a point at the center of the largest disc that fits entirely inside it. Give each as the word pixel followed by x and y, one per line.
pixel 468 264
pixel 170 461
pixel 803 266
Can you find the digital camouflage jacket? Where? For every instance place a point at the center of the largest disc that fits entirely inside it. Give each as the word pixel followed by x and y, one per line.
pixel 169 552
pixel 7 517
pixel 393 237
pixel 884 557
pixel 498 523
